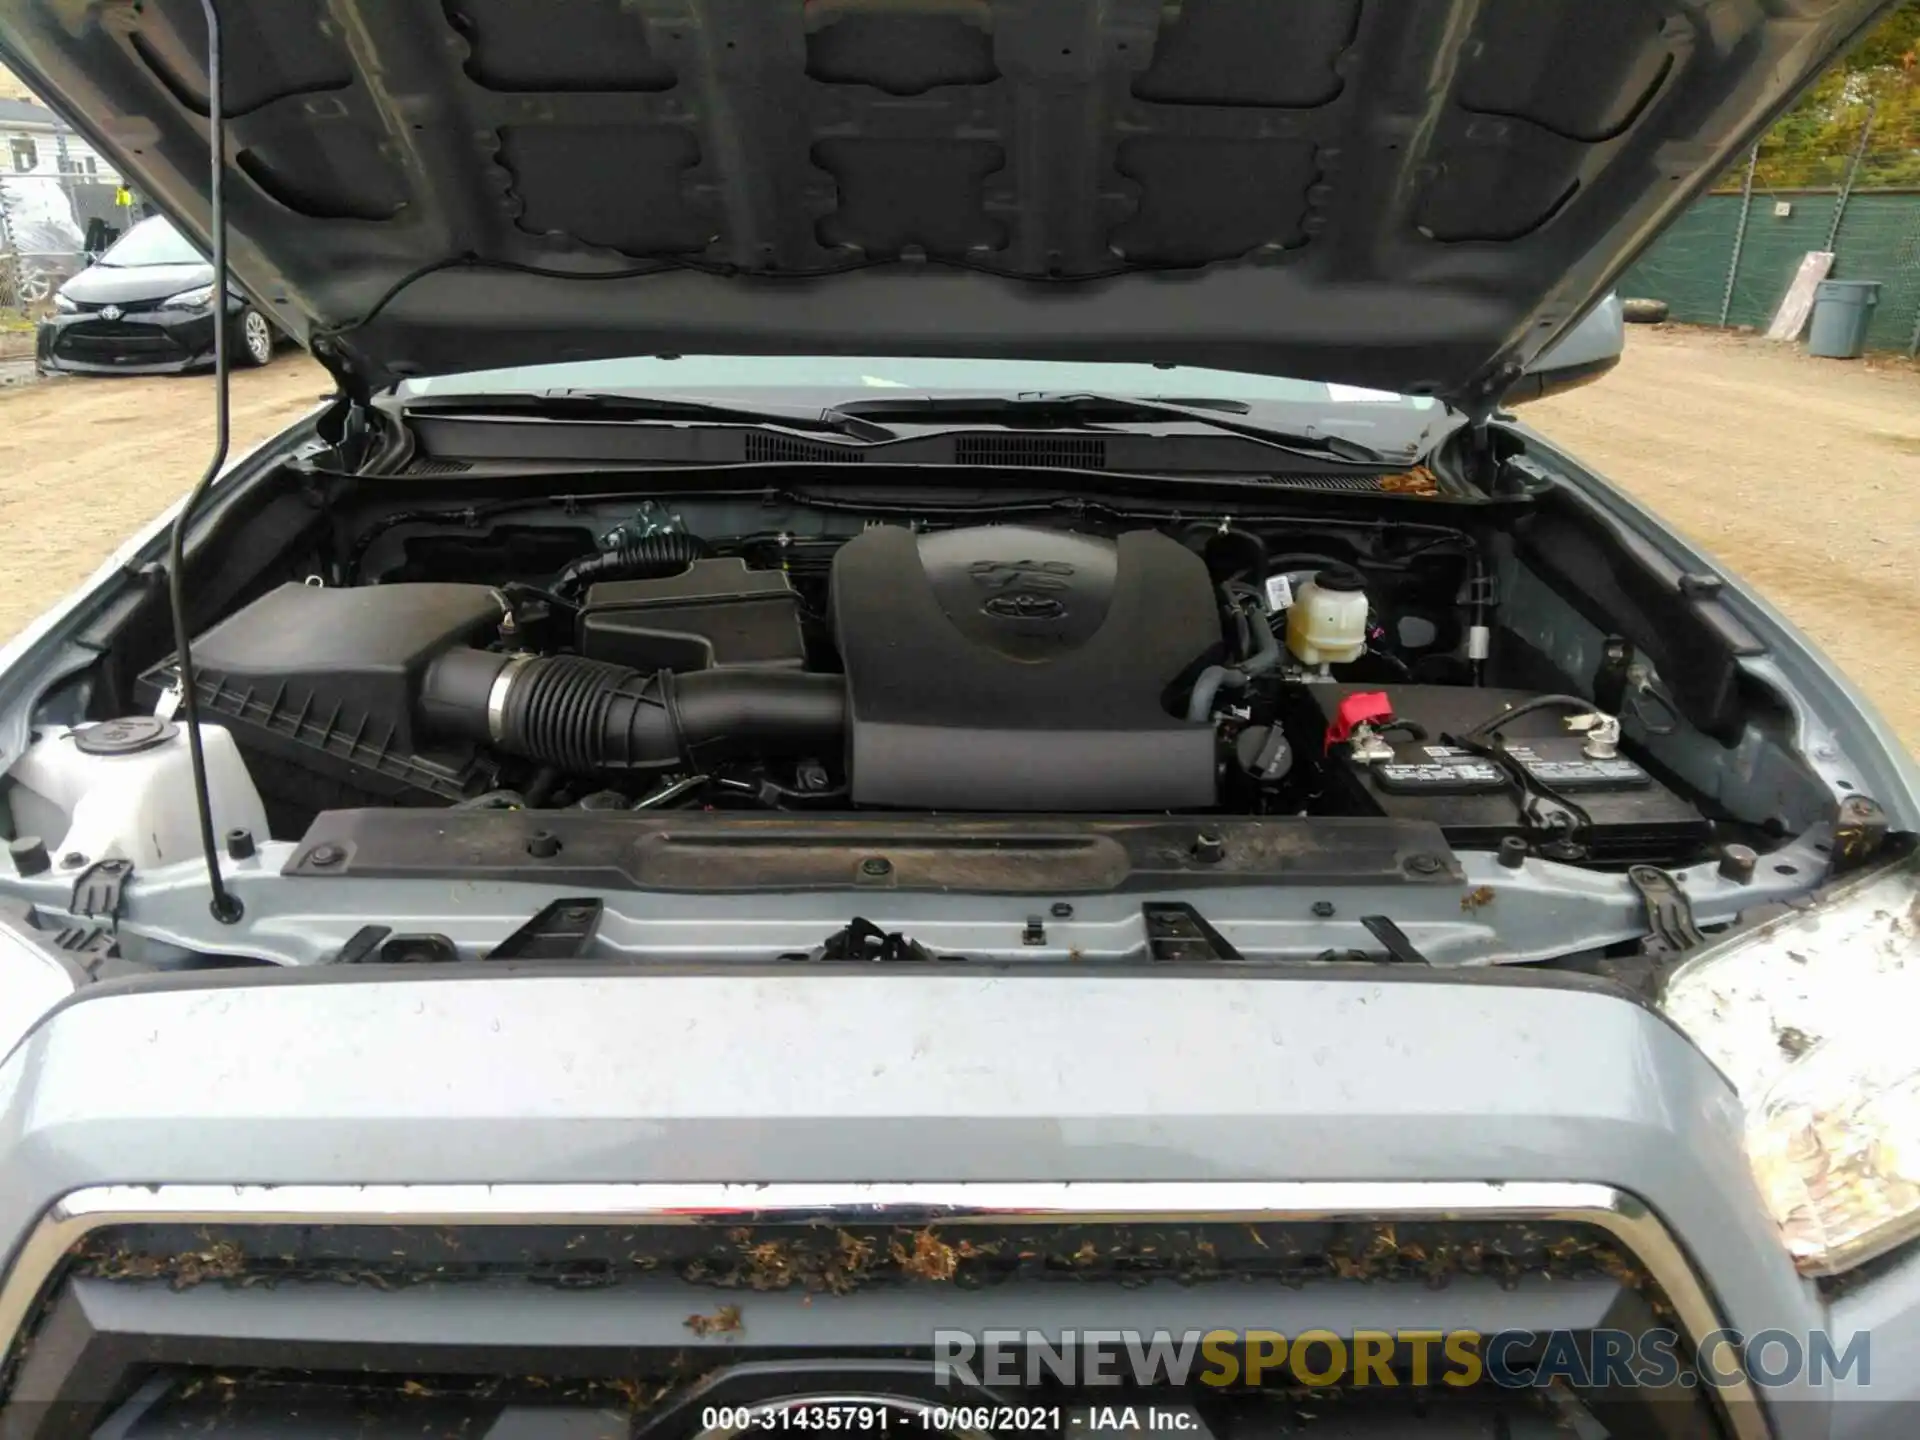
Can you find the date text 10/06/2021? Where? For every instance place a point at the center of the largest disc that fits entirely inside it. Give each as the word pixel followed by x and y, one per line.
pixel 878 1417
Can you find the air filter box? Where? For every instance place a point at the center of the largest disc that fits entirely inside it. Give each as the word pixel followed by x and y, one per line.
pixel 318 687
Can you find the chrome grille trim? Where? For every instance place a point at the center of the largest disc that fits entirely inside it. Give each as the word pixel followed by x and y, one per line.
pixel 1621 1216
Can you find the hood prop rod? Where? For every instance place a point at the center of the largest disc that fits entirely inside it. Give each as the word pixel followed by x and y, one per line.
pixel 225 905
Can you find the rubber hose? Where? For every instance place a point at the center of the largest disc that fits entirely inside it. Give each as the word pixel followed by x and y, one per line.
pixel 1207 688
pixel 590 718
pixel 1215 678
pixel 1266 648
pixel 647 558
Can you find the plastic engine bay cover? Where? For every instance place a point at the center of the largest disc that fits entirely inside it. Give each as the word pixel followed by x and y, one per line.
pixel 1012 668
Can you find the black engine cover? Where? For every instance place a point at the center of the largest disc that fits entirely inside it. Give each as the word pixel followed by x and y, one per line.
pixel 1014 668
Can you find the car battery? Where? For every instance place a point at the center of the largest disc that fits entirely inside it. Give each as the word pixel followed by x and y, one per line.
pixel 1475 800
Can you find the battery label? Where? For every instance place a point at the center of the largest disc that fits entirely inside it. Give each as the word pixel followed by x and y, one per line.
pixel 1451 773
pixel 1581 773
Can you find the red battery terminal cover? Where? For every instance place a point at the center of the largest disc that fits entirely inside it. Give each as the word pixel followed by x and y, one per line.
pixel 1367 707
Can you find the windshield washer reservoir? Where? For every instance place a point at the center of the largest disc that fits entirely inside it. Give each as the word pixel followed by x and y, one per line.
pixel 123 789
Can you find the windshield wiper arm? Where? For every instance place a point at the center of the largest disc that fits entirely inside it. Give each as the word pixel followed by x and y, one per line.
pixel 1087 409
pixel 618 404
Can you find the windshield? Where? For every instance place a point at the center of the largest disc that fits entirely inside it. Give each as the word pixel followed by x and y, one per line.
pixel 152 242
pixel 653 373
pixel 1376 417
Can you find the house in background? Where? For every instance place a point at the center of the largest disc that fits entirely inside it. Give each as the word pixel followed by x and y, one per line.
pixel 38 148
pixel 37 142
pixel 58 197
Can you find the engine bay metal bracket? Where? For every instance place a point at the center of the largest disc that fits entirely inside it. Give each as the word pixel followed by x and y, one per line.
pixel 563 930
pixel 1491 913
pixel 99 891
pixel 1670 922
pixel 1179 932
pixel 1859 832
pixel 745 853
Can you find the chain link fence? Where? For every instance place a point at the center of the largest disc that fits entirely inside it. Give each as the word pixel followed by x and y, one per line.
pixel 48 224
pixel 1730 258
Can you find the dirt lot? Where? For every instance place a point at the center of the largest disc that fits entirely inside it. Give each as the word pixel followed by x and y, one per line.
pixel 85 462
pixel 1803 475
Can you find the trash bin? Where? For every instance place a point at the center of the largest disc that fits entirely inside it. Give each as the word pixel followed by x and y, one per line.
pixel 1842 310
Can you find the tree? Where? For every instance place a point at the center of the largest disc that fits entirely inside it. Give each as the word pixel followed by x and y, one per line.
pixel 1812 143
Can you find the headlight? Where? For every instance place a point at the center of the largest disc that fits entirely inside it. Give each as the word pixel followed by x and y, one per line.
pixel 62 303
pixel 1811 1016
pixel 196 299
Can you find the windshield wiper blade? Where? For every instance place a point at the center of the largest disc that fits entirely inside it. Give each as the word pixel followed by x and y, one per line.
pixel 618 404
pixel 1087 409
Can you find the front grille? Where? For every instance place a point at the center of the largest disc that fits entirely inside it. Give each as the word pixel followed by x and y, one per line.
pixel 854 1258
pixel 1075 452
pixel 527 1328
pixel 103 341
pixel 125 307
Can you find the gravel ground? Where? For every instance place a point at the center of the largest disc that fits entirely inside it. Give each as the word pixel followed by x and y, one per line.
pixel 1801 475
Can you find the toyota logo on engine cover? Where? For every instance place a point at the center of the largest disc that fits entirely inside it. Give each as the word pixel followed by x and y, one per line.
pixel 1028 576
pixel 1025 607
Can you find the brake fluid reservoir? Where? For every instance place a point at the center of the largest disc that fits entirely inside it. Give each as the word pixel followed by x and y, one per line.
pixel 123 789
pixel 1327 623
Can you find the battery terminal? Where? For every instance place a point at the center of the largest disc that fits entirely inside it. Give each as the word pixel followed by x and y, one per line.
pixel 1602 732
pixel 1370 747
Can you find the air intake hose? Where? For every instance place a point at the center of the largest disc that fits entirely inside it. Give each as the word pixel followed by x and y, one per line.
pixel 647 558
pixel 588 717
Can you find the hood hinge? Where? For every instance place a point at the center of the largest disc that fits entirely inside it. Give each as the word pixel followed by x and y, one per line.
pixel 350 429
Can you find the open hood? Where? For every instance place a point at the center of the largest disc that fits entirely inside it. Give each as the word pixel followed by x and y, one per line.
pixel 1417 195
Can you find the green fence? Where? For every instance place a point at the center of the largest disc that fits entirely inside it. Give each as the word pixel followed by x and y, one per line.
pixel 1693 266
pixel 1849 184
